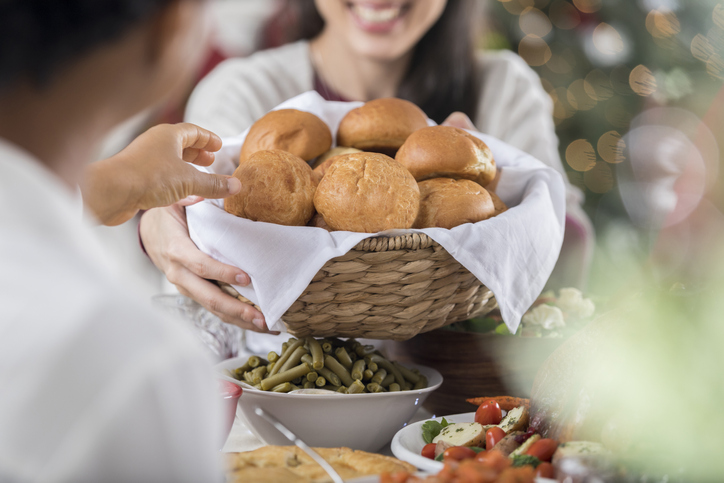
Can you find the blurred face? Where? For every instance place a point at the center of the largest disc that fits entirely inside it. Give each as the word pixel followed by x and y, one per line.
pixel 379 29
pixel 183 41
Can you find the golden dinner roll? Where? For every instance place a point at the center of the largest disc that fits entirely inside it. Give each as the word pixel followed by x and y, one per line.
pixel 298 132
pixel 500 207
pixel 447 152
pixel 381 125
pixel 336 151
pixel 446 203
pixel 322 169
pixel 368 193
pixel 276 187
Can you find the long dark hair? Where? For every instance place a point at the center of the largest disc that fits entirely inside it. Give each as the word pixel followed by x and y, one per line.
pixel 39 37
pixel 442 77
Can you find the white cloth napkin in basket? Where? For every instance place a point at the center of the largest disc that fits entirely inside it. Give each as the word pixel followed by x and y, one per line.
pixel 513 254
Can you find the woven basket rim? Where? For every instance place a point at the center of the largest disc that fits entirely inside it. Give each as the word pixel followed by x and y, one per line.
pixel 409 241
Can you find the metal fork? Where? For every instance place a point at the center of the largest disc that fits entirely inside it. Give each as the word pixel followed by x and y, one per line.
pixel 301 444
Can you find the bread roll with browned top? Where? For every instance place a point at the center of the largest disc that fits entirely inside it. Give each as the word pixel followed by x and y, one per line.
pixel 276 187
pixel 367 193
pixel 447 152
pixel 381 125
pixel 447 203
pixel 298 132
pixel 500 207
pixel 336 151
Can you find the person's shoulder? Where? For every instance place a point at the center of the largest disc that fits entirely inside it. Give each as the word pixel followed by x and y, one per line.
pixel 290 58
pixel 241 90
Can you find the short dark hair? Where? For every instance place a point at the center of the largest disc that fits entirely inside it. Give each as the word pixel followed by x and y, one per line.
pixel 40 37
pixel 442 77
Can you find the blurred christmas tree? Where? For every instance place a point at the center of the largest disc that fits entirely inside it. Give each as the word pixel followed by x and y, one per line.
pixel 605 61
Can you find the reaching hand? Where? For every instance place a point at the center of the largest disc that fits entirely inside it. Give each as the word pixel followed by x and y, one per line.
pixel 166 238
pixel 154 171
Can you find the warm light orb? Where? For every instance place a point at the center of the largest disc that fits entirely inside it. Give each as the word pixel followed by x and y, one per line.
pixel 534 50
pixel 516 7
pixel 607 39
pixel 588 6
pixel 718 15
pixel 599 178
pixel 534 22
pixel 611 147
pixel 580 155
pixel 564 15
pixel 701 48
pixel 642 81
pixel 662 23
pixel 598 85
pixel 578 98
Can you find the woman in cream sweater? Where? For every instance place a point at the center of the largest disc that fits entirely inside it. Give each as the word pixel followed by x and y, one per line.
pixel 420 50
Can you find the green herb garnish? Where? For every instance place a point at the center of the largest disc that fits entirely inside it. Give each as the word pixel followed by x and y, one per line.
pixel 525 460
pixel 432 428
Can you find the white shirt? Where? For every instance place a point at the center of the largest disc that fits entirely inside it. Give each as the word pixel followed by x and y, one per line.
pixel 94 386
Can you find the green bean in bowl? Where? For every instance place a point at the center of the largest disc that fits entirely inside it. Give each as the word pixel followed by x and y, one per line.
pixel 329 398
pixel 346 367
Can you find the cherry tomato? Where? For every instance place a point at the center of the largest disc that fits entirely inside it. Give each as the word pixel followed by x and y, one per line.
pixel 428 451
pixel 492 436
pixel 545 470
pixel 458 453
pixel 493 459
pixel 488 413
pixel 543 449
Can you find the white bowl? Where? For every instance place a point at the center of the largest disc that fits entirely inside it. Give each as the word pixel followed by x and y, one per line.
pixel 408 443
pixel 358 421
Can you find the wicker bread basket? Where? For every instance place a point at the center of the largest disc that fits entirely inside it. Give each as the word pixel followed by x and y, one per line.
pixel 386 288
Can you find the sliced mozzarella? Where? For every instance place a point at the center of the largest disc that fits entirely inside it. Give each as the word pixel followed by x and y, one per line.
pixel 462 434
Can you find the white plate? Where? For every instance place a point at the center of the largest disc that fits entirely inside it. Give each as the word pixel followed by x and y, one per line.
pixel 407 443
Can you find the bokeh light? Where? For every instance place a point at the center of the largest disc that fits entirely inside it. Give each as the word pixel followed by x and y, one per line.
pixel 516 7
pixel 578 97
pixel 580 155
pixel 598 85
pixel 607 39
pixel 534 50
pixel 588 6
pixel 564 15
pixel 611 147
pixel 534 22
pixel 599 178
pixel 662 23
pixel 642 81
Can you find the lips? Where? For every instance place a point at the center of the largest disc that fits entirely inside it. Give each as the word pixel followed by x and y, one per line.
pixel 377 17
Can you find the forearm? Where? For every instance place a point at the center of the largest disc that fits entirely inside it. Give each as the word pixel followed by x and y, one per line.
pixel 110 192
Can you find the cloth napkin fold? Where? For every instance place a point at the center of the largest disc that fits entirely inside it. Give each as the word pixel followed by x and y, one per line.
pixel 513 254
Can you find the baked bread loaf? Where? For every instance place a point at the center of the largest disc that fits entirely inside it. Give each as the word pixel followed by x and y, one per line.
pixel 368 193
pixel 447 203
pixel 276 187
pixel 298 132
pixel 336 151
pixel 381 125
pixel 289 464
pixel 500 207
pixel 447 152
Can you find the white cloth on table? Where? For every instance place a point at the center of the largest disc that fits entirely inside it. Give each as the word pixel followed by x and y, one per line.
pixel 513 254
pixel 94 385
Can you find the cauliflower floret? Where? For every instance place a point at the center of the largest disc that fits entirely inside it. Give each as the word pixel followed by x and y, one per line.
pixel 547 316
pixel 571 301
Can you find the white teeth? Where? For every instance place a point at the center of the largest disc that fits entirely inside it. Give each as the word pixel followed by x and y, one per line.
pixel 376 15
